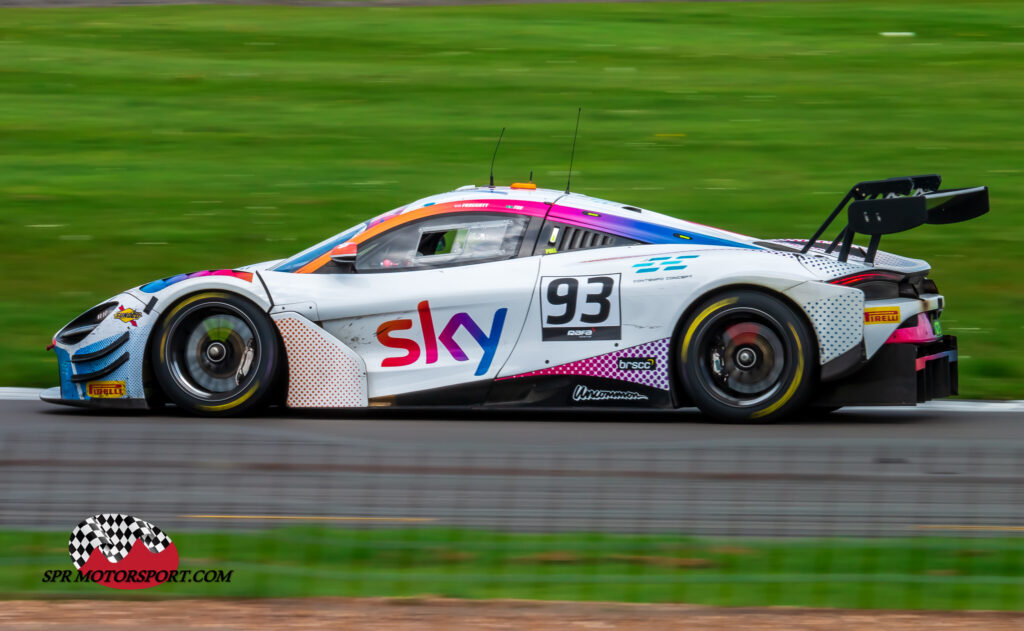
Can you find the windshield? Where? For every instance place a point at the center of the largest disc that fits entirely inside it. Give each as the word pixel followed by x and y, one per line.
pixel 296 262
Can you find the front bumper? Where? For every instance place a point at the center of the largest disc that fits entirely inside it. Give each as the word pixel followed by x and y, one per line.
pixel 53 395
pixel 105 368
pixel 898 374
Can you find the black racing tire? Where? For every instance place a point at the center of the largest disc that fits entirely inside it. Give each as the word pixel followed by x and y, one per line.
pixel 215 353
pixel 747 357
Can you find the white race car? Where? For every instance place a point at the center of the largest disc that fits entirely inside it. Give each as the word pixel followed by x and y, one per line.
pixel 519 296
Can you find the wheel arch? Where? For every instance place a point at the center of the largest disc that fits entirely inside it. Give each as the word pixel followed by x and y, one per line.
pixel 155 394
pixel 679 396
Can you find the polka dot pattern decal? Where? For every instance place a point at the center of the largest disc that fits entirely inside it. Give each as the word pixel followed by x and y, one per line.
pixel 608 366
pixel 885 259
pixel 828 266
pixel 838 322
pixel 322 372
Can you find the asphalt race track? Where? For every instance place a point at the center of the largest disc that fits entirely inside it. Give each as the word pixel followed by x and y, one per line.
pixel 947 468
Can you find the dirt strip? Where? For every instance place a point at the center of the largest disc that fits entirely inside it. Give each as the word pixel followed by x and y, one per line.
pixel 409 614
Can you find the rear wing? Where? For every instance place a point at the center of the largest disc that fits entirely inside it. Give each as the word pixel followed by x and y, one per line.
pixel 901 203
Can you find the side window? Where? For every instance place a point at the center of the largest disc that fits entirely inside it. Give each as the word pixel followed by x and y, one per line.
pixel 558 237
pixel 444 241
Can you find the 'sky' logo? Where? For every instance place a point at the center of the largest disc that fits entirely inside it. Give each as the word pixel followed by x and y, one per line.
pixel 488 342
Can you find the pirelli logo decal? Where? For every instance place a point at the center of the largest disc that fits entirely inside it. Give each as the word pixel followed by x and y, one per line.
pixel 105 389
pixel 882 315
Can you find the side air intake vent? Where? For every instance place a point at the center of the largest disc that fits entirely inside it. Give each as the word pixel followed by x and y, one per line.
pixel 574 238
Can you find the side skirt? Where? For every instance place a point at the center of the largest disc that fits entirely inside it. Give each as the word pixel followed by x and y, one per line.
pixel 574 391
pixel 561 391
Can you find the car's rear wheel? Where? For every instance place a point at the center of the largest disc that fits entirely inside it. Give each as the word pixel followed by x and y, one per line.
pixel 216 354
pixel 746 356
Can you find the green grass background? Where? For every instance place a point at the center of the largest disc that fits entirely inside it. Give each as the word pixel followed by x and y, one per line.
pixel 136 143
pixel 900 573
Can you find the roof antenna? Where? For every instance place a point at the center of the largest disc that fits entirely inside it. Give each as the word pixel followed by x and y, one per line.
pixel 531 176
pixel 496 155
pixel 573 154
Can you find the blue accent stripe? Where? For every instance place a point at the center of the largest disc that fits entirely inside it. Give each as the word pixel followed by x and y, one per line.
pixel 647 269
pixel 646 232
pixel 68 390
pixel 92 365
pixel 95 346
pixel 674 267
pixel 298 261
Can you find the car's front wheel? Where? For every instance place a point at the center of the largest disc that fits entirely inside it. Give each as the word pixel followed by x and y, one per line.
pixel 216 354
pixel 746 356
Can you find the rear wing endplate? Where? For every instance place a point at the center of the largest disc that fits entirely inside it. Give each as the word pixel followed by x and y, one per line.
pixel 881 207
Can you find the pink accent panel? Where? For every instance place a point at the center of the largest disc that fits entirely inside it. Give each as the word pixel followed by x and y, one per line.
pixel 322 373
pixel 218 272
pixel 921 332
pixel 519 206
pixel 607 366
pixel 561 216
pixel 575 217
pixel 922 362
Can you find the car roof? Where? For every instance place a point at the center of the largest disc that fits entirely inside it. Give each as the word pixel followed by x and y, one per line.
pixel 575 209
pixel 622 216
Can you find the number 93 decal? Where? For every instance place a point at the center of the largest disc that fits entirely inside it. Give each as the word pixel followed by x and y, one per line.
pixel 575 308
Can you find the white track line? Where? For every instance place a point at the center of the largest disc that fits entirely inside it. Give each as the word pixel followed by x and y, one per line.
pixel 960 406
pixel 19 394
pixel 32 394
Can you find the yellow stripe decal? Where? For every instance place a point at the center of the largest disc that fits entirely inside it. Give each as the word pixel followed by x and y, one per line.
pixel 791 390
pixel 163 343
pixel 231 404
pixel 700 318
pixel 178 307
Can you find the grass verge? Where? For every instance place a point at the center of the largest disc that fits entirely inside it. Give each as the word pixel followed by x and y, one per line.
pixel 895 573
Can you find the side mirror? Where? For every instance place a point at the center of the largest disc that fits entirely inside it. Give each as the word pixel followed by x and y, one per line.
pixel 344 255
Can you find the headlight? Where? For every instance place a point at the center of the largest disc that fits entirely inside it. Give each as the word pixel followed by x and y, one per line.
pixel 84 324
pixel 109 308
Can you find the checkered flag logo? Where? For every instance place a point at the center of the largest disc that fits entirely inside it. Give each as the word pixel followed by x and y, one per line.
pixel 113 535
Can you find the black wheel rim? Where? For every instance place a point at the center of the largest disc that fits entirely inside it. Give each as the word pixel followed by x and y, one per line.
pixel 742 356
pixel 212 351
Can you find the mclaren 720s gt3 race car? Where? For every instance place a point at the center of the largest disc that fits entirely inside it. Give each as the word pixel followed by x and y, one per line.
pixel 519 296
